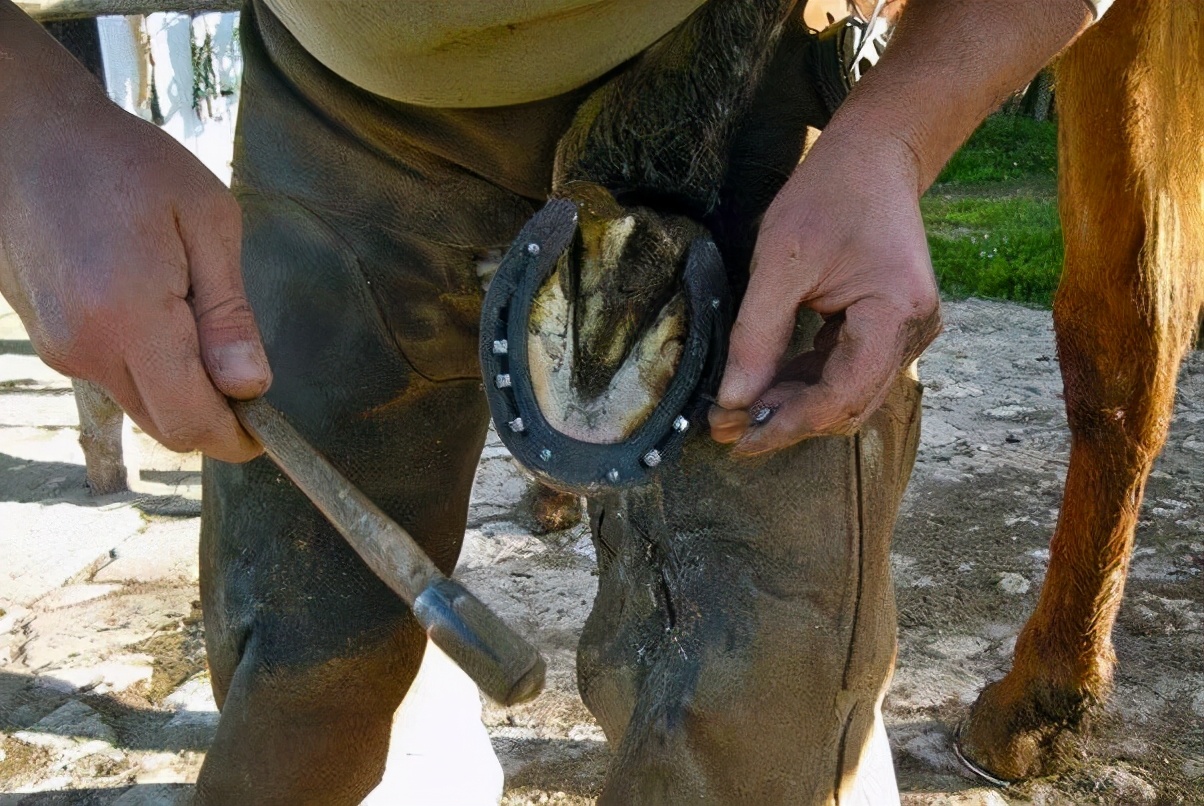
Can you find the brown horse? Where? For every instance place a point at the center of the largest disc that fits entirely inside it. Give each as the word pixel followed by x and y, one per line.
pixel 1130 96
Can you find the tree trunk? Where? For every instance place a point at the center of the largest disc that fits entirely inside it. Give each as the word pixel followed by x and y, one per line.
pixel 1038 98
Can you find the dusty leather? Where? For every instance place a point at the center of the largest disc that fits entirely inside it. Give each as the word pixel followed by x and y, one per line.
pixel 744 628
pixel 365 221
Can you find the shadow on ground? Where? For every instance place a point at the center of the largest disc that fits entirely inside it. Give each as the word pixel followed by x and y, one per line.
pixel 40 482
pixel 136 727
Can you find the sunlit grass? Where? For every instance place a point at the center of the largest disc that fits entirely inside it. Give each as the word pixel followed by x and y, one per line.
pixel 1009 248
pixel 992 217
pixel 1006 148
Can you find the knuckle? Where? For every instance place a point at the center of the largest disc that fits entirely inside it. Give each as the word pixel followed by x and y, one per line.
pixel 917 288
pixel 923 307
pixel 231 312
pixel 928 309
pixel 918 301
pixel 834 416
pixel 229 320
pixel 841 408
pixel 918 318
pixel 920 331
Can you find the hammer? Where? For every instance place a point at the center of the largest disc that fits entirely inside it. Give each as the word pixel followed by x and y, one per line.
pixel 505 666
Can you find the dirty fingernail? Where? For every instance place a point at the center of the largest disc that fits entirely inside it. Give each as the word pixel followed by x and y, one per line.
pixel 239 363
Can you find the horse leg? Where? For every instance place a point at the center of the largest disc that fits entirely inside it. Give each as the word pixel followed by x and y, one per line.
pixel 1131 121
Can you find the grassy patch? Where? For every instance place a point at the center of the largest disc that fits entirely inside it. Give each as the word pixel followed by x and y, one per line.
pixel 1006 148
pixel 992 217
pixel 1009 248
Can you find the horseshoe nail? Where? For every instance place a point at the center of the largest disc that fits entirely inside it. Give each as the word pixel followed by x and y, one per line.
pixel 760 412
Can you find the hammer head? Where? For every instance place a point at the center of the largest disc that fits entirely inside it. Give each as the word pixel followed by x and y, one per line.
pixel 507 668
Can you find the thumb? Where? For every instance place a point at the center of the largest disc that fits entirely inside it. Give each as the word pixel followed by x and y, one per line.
pixel 229 339
pixel 759 340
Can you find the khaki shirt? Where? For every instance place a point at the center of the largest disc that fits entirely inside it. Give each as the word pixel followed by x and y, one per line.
pixel 476 53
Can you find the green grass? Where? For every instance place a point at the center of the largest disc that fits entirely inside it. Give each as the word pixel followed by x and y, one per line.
pixel 1000 248
pixel 992 217
pixel 1006 148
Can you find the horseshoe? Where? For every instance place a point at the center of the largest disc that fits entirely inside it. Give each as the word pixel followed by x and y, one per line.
pixel 553 456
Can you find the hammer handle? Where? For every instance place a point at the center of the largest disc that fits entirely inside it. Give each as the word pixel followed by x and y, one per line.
pixel 501 662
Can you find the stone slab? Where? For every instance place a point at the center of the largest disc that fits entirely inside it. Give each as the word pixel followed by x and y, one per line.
pixel 46 545
pixel 115 674
pixel 164 550
pixel 73 721
pixel 71 595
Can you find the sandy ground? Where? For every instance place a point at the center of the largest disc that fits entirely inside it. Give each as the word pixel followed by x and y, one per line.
pixel 104 697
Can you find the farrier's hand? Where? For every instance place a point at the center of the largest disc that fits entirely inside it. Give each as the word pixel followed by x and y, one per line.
pixel 843 237
pixel 120 253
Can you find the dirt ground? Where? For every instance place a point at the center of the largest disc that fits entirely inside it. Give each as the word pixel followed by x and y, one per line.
pixel 103 693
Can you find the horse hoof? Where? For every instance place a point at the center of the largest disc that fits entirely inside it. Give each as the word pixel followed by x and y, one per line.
pixel 1009 738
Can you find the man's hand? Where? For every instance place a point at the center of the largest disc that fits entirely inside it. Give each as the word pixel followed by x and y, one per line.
pixel 120 253
pixel 843 238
